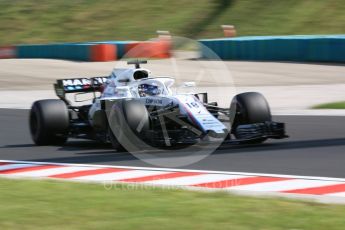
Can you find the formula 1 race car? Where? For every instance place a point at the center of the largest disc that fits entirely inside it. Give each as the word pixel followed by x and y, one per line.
pixel 132 107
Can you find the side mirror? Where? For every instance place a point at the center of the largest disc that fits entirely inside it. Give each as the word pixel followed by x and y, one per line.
pixel 188 84
pixel 187 87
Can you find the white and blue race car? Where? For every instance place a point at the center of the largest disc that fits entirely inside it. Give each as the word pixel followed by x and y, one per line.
pixel 133 107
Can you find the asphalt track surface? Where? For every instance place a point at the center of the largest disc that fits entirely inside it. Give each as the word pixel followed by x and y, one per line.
pixel 316 147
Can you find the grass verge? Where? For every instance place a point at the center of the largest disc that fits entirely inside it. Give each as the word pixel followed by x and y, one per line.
pixel 45 21
pixel 334 105
pixel 27 204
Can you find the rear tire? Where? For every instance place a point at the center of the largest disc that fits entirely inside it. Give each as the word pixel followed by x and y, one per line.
pixel 49 122
pixel 249 108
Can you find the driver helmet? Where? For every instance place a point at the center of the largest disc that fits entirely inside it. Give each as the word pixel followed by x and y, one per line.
pixel 146 89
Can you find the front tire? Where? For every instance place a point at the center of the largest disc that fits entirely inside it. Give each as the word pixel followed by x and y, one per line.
pixel 128 124
pixel 249 108
pixel 114 141
pixel 49 122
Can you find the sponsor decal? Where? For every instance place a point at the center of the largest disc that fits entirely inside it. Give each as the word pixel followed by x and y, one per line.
pixel 199 114
pixel 99 80
pixel 82 83
pixel 76 82
pixel 153 101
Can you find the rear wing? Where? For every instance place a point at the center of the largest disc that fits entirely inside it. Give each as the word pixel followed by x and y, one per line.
pixel 78 85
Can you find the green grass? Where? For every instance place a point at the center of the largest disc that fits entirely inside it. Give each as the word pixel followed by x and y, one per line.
pixel 41 21
pixel 271 17
pixel 35 205
pixel 334 105
pixel 33 21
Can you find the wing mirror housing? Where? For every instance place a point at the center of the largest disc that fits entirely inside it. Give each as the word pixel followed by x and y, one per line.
pixel 188 84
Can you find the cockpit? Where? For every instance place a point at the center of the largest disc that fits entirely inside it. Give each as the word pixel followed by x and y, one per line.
pixel 136 83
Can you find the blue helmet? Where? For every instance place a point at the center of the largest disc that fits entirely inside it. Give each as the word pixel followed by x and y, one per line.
pixel 148 90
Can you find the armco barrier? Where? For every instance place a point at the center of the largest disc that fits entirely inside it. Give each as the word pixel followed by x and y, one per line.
pixel 103 52
pixel 91 51
pixel 299 48
pixel 69 51
pixel 79 52
pixel 120 46
pixel 149 49
pixel 7 52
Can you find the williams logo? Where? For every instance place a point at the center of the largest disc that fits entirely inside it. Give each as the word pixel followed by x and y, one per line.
pixel 84 81
pixel 153 101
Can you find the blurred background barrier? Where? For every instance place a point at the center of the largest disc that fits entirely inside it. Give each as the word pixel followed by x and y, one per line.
pixel 300 48
pixel 91 51
pixel 7 52
pixel 120 46
pixel 68 51
pixel 75 51
pixel 149 49
pixel 103 52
